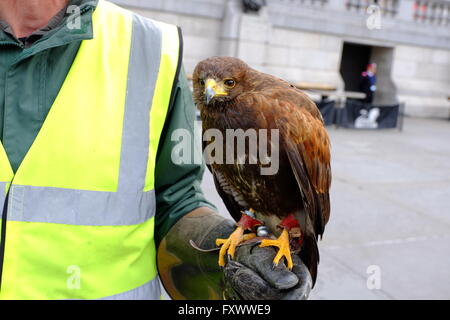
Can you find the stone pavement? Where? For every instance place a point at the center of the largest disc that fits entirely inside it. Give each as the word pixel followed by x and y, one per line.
pixel 389 231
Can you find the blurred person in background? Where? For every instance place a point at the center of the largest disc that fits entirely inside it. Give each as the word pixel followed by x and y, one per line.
pixel 368 82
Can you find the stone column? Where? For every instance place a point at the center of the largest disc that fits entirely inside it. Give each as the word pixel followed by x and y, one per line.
pixel 229 38
pixel 245 35
pixel 386 90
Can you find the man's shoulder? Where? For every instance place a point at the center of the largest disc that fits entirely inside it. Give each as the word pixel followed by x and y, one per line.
pixel 139 20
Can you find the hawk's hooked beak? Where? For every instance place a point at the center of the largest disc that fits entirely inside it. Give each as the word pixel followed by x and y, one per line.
pixel 213 89
pixel 209 94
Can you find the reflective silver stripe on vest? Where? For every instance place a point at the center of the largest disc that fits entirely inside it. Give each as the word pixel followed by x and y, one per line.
pixel 149 291
pixel 129 205
pixel 2 193
pixel 79 207
pixel 143 72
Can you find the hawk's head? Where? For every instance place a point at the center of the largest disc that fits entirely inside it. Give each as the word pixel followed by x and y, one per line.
pixel 219 79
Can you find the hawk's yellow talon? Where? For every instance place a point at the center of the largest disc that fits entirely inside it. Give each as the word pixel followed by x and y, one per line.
pixel 229 245
pixel 284 248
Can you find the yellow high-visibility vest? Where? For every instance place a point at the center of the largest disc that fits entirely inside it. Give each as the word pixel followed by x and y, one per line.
pixel 78 215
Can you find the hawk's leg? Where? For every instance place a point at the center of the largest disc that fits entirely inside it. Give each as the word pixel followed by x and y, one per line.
pixel 229 245
pixel 290 227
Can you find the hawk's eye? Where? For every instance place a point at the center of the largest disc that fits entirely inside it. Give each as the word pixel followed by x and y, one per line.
pixel 202 82
pixel 229 83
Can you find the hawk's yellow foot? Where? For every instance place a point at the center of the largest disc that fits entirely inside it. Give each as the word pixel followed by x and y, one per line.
pixel 284 248
pixel 291 227
pixel 229 245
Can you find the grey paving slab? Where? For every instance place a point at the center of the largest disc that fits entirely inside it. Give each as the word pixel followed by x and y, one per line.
pixel 338 280
pixel 413 268
pixel 359 216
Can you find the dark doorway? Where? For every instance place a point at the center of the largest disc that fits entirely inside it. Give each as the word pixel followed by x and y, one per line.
pixel 355 58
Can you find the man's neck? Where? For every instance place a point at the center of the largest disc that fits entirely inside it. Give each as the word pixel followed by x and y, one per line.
pixel 27 16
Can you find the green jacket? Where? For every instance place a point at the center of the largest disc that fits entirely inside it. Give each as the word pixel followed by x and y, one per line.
pixel 31 73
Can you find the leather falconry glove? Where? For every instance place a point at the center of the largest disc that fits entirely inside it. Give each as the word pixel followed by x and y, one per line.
pixel 190 273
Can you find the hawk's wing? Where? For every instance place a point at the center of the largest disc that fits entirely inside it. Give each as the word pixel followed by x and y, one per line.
pixel 303 138
pixel 306 143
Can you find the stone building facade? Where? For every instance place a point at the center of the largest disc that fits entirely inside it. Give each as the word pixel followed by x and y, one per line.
pixel 325 42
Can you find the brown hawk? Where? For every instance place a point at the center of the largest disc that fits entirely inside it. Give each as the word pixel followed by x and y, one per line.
pixel 231 95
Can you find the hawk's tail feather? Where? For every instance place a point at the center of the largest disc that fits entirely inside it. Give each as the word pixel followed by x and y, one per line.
pixel 310 255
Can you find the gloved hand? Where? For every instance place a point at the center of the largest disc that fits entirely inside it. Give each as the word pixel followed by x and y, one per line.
pixel 252 276
pixel 189 273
